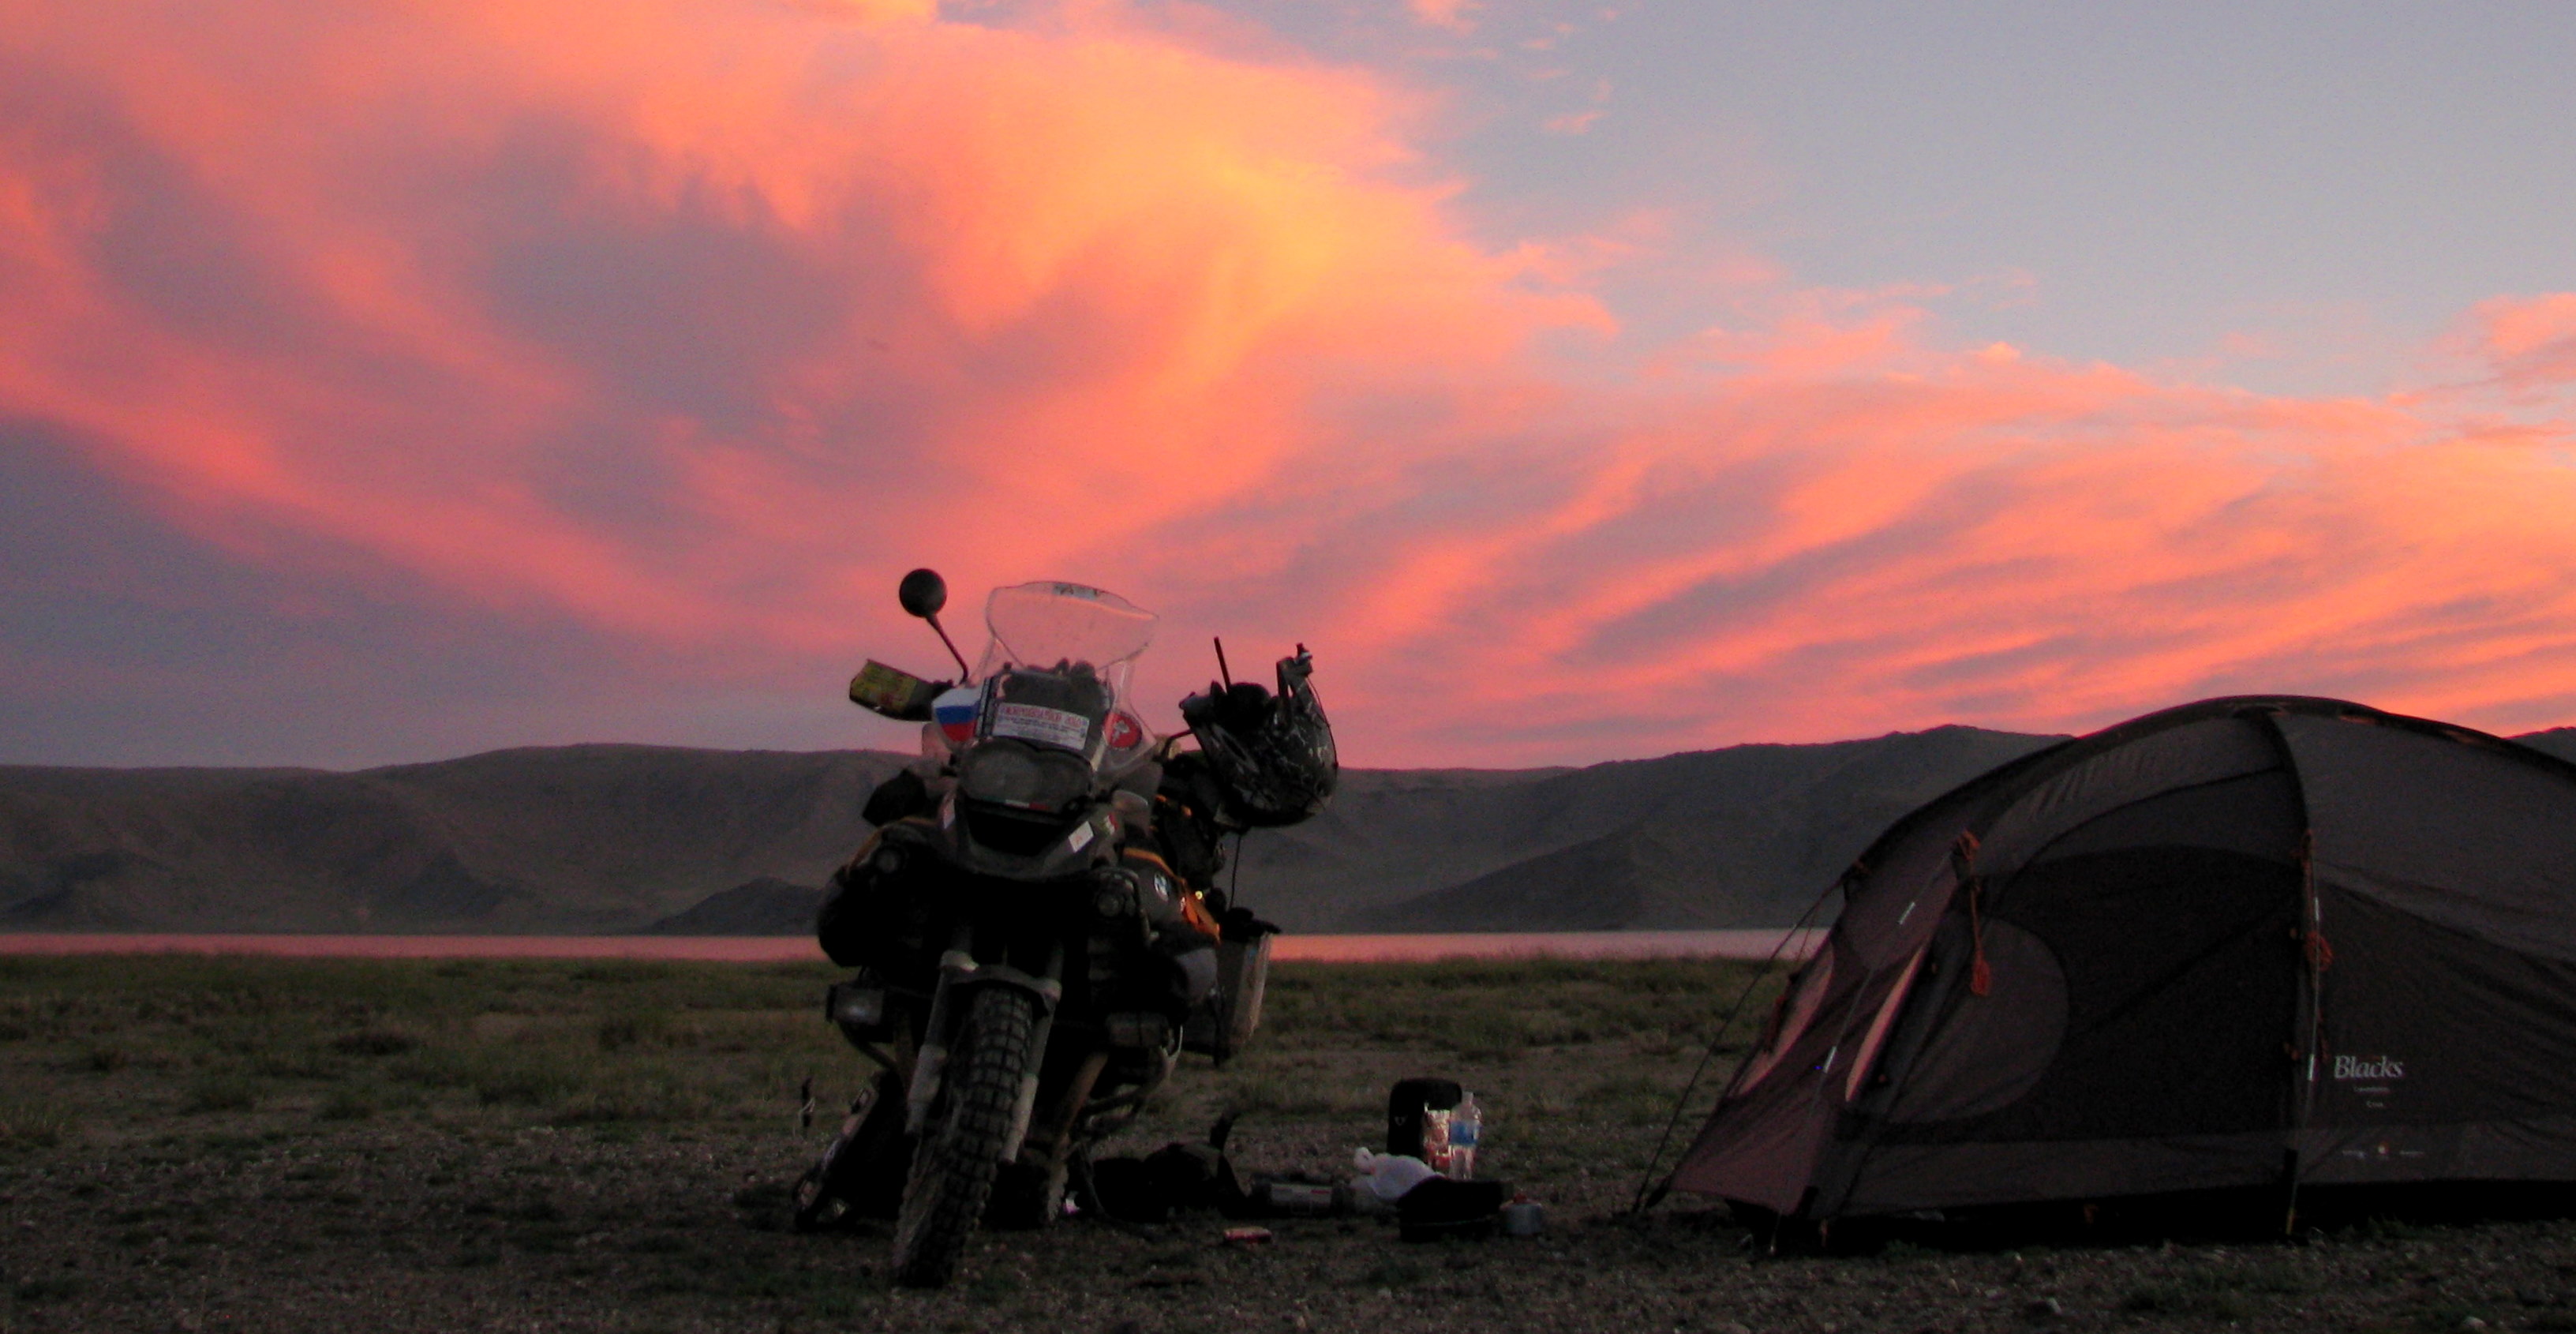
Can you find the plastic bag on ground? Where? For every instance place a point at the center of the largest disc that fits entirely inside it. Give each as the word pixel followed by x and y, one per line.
pixel 1385 1178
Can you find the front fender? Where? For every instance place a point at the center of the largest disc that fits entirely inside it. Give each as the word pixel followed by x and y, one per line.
pixel 960 976
pixel 972 976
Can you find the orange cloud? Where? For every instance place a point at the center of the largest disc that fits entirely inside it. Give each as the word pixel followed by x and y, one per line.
pixel 692 323
pixel 757 269
pixel 1834 546
pixel 2531 341
pixel 1450 14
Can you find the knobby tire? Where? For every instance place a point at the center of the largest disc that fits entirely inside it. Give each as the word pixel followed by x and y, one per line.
pixel 961 1150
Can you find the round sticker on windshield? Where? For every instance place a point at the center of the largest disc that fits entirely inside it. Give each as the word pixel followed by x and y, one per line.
pixel 1125 733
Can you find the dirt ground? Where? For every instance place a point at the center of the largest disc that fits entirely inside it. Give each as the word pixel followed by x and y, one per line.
pixel 257 1148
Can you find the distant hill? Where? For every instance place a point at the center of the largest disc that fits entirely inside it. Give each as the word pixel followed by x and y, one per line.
pixel 563 839
pixel 640 838
pixel 768 906
pixel 1742 837
pixel 2558 741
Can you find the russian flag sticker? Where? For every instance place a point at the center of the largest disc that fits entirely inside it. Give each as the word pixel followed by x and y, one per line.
pixel 955 710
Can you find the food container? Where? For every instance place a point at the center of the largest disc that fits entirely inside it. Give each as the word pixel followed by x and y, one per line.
pixel 1407 1104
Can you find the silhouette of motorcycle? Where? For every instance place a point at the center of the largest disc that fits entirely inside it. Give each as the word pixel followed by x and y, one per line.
pixel 1034 927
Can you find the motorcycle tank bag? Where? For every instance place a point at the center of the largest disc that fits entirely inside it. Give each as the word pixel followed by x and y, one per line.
pixel 1274 753
pixel 903 795
pixel 870 911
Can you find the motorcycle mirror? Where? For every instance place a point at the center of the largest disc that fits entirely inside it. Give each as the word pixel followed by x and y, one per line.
pixel 923 593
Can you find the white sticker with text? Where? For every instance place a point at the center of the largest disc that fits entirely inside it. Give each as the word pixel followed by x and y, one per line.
pixel 1030 722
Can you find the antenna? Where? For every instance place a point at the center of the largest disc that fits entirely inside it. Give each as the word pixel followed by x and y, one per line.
pixel 1223 672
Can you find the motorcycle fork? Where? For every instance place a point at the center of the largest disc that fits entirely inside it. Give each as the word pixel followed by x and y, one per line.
pixel 958 967
pixel 932 1058
pixel 1023 1109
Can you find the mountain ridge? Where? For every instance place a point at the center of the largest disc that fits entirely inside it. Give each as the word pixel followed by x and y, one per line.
pixel 536 839
pixel 611 837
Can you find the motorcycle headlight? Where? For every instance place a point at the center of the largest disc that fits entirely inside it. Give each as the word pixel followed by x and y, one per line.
pixel 1023 777
pixel 859 1010
pixel 1113 894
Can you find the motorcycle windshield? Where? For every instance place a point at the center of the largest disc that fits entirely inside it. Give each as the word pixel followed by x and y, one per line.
pixel 1042 624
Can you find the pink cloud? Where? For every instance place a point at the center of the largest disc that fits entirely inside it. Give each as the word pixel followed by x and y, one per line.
pixel 694 324
pixel 1451 14
pixel 2530 341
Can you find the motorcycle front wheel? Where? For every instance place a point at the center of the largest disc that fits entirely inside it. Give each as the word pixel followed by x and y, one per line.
pixel 962 1148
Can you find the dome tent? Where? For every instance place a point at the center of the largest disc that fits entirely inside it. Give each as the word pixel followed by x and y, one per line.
pixel 2249 942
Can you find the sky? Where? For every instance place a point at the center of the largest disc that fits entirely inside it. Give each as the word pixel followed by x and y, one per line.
pixel 382 381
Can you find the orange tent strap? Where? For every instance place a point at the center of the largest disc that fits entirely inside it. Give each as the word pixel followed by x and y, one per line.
pixel 1981 977
pixel 1963 859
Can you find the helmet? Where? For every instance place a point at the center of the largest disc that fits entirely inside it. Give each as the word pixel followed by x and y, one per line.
pixel 1273 754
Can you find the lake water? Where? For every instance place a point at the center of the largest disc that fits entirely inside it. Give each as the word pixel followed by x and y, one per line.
pixel 801 949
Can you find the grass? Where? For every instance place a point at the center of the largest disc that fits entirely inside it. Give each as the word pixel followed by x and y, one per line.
pixel 30 1124
pixel 1636 1099
pixel 611 1045
pixel 1396 1273
pixel 221 1091
pixel 47 1289
pixel 545 1042
pixel 1499 1009
pixel 228 1058
pixel 280 1118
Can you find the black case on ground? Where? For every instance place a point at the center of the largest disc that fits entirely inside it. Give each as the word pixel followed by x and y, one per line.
pixel 1404 1108
pixel 1441 1208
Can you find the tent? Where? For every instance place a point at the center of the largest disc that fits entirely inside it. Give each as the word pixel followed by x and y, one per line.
pixel 2246 943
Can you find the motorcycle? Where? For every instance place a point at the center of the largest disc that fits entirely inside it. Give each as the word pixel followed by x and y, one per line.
pixel 1034 928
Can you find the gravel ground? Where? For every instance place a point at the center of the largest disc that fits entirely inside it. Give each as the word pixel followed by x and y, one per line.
pixel 436 1228
pixel 261 1146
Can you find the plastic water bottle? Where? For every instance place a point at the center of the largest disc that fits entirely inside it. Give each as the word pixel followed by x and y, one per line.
pixel 1466 1127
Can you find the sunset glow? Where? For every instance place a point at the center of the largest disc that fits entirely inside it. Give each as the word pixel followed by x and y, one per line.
pixel 683 329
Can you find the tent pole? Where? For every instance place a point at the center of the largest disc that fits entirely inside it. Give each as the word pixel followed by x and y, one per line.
pixel 1651 1192
pixel 2315 956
